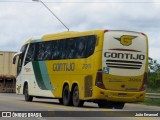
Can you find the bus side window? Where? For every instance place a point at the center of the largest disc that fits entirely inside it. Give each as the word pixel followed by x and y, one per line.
pixel 19 66
pixel 56 52
pixel 81 47
pixel 40 54
pixel 57 49
pixel 47 51
pixel 21 58
pixel 62 49
pixel 53 52
pixel 91 42
pixel 30 54
pixel 70 48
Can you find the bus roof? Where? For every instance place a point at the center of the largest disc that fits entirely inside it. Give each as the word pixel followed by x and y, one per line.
pixel 61 35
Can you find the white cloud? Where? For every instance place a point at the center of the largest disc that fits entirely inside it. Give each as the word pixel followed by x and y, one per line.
pixel 20 21
pixel 154 52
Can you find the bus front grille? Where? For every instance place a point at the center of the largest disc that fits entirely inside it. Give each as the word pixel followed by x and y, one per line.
pixel 123 64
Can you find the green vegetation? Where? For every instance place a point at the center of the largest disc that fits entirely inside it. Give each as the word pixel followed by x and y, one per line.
pixel 149 101
pixel 153 86
pixel 153 83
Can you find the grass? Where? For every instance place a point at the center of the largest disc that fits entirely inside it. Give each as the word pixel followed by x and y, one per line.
pixel 149 90
pixel 149 101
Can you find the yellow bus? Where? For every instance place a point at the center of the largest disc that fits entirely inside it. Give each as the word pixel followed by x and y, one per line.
pixel 108 67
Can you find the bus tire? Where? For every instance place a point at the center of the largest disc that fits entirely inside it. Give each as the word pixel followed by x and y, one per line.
pixel 60 101
pixel 66 96
pixel 28 98
pixel 76 101
pixel 119 105
pixel 105 104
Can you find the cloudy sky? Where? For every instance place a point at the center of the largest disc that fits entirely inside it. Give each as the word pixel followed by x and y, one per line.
pixel 22 19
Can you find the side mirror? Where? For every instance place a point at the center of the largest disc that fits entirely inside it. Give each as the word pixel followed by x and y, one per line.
pixel 15 56
pixel 14 60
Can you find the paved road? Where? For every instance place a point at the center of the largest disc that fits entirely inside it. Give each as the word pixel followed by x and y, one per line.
pixel 13 102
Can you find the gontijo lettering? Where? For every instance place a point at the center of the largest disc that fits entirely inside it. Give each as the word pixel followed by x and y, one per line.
pixel 124 55
pixel 63 66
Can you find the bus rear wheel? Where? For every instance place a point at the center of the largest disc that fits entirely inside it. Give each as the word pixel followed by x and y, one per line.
pixel 105 104
pixel 76 101
pixel 26 94
pixel 66 96
pixel 60 101
pixel 119 105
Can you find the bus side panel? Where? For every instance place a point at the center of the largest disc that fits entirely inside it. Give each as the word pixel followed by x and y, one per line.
pixel 34 76
pixel 70 72
pixel 80 71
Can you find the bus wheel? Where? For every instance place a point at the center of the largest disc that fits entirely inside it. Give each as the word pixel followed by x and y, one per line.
pixel 119 105
pixel 76 101
pixel 67 100
pixel 26 95
pixel 105 104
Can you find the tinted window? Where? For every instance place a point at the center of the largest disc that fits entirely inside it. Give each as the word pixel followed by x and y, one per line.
pixel 30 54
pixel 20 60
pixel 59 51
pixel 71 48
pixel 42 53
pixel 90 45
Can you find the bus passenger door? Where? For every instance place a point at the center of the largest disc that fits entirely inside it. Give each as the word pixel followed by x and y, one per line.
pixel 19 78
pixel 19 89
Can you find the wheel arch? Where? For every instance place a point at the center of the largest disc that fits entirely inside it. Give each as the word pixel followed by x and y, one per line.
pixel 64 84
pixel 24 85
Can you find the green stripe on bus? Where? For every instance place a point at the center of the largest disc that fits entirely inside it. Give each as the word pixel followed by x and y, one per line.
pixel 45 75
pixel 38 75
pixel 36 40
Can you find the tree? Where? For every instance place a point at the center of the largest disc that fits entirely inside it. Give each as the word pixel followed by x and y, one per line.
pixel 153 65
pixel 154 74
